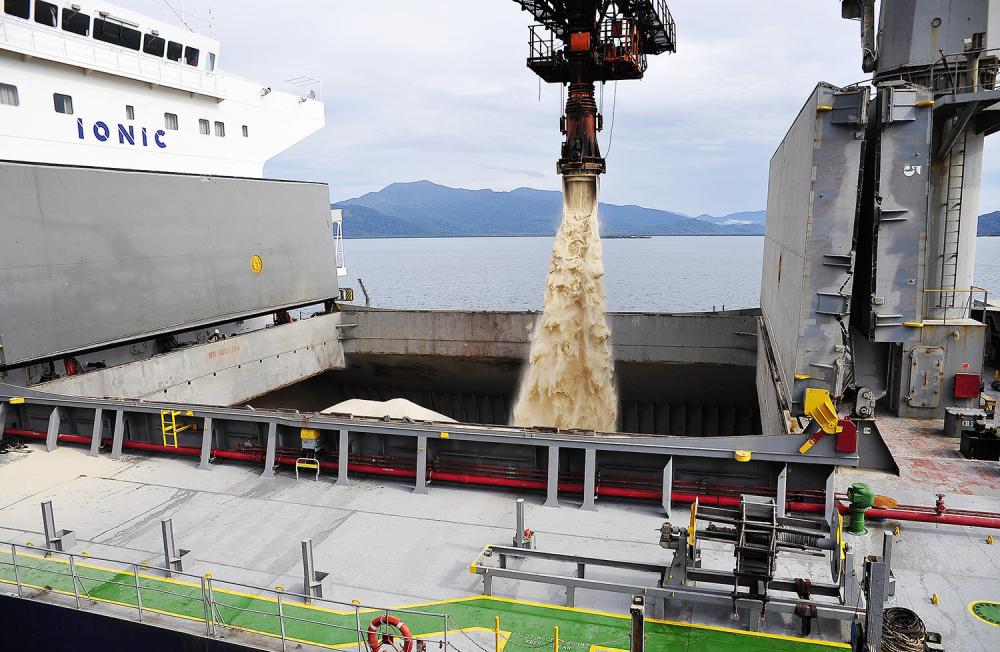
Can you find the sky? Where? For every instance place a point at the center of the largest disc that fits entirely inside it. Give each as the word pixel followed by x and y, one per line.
pixel 438 90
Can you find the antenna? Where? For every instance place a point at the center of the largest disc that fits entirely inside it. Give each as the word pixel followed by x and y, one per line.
pixel 179 14
pixel 182 15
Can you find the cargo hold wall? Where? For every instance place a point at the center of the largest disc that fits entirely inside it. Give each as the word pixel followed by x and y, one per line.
pixel 679 374
pixel 91 257
pixel 812 203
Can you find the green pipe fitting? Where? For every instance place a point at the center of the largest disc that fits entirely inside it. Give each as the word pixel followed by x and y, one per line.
pixel 861 497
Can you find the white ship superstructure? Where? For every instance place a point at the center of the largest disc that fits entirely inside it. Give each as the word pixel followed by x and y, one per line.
pixel 92 84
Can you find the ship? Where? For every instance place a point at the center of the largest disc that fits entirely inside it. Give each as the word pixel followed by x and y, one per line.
pixel 820 472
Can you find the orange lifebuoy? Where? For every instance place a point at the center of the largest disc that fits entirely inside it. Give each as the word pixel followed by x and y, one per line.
pixel 376 639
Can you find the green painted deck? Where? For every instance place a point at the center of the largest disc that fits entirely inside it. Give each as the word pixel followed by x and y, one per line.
pixel 527 626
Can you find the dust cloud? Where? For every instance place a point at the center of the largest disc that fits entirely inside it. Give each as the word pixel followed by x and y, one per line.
pixel 569 381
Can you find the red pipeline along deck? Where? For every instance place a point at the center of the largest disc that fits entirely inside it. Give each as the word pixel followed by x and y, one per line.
pixel 524 625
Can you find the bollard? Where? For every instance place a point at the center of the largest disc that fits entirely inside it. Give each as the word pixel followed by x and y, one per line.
pixel 496 633
pixel 555 641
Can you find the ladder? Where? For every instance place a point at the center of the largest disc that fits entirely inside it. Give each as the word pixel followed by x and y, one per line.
pixel 169 427
pixel 952 225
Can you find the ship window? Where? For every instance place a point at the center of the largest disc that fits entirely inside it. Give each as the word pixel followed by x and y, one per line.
pixel 46 13
pixel 63 103
pixel 246 132
pixel 114 32
pixel 191 56
pixel 204 128
pixel 19 8
pixel 153 45
pixel 129 112
pixel 210 65
pixel 75 21
pixel 220 129
pixel 175 51
pixel 170 121
pixel 8 95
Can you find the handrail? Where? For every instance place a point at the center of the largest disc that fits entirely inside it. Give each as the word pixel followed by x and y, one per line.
pixel 947 300
pixel 90 53
pixel 205 590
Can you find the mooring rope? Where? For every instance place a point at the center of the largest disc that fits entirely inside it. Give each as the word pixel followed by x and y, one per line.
pixel 902 631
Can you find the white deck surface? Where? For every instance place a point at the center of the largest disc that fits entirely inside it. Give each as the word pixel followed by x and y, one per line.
pixel 386 546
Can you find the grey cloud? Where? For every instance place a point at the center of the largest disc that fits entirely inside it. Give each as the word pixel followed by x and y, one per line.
pixel 439 90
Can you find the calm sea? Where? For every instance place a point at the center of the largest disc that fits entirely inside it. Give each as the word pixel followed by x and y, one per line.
pixel 662 274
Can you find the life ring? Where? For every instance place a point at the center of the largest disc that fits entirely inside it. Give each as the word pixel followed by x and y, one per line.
pixel 376 640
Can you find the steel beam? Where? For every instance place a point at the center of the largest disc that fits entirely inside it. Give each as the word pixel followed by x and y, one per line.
pixel 782 495
pixel 171 554
pixel 420 485
pixel 668 485
pixel 589 479
pixel 61 540
pixel 552 486
pixel 506 551
pixel 831 494
pixel 312 579
pixel 207 440
pixel 48 523
pixel 272 444
pixel 119 435
pixel 778 584
pixel 519 523
pixel 765 448
pixel 877 591
pixel 342 452
pixel 888 538
pixel 852 587
pixel 97 433
pixel 831 610
pixel 52 436
pixel 637 634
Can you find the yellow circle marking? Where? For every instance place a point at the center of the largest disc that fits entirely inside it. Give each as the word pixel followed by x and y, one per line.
pixel 256 264
pixel 985 606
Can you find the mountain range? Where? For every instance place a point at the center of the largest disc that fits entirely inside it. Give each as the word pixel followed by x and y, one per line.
pixel 422 209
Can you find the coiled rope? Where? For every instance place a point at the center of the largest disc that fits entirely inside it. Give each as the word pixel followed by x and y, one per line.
pixel 902 631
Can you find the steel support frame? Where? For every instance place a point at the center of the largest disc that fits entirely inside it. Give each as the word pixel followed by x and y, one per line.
pixel 834 611
pixel 420 482
pixel 764 448
pixel 207 440
pixel 97 433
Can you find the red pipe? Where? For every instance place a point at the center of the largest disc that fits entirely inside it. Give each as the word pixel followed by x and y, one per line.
pixel 488 481
pixel 913 513
pixel 34 434
pixel 239 456
pixel 923 517
pixel 159 448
